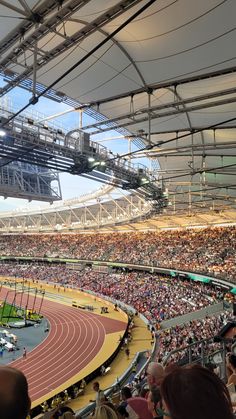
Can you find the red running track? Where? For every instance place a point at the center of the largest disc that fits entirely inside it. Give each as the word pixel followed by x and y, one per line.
pixel 74 339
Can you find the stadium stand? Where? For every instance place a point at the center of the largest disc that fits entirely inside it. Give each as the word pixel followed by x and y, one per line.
pixel 209 250
pixel 157 297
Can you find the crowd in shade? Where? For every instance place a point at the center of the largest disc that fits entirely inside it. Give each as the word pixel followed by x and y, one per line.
pixel 210 250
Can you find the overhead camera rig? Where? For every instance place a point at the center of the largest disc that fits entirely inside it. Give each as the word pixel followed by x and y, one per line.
pixel 24 140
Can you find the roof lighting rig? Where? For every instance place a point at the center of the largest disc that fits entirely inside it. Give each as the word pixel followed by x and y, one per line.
pixel 25 140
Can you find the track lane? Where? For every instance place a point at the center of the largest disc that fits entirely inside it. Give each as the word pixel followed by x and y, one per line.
pixel 74 339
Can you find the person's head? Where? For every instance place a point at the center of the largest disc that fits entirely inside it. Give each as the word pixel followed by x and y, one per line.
pixel 96 386
pixel 210 366
pixel 105 412
pixel 155 374
pixel 195 392
pixel 63 412
pixel 126 393
pixel 14 398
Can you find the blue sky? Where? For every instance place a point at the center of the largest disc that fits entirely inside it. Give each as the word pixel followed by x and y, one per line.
pixel 71 185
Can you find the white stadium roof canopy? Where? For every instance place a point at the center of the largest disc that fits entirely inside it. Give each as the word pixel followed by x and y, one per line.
pixel 163 73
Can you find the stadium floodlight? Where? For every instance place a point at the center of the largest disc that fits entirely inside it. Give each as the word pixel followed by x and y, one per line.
pixel 2 133
pixel 102 166
pixel 96 163
pixel 144 181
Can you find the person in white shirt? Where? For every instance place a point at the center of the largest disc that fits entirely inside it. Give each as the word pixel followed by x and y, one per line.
pixel 100 396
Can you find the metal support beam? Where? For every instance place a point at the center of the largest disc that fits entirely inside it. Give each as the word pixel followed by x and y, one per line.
pixel 77 217
pixel 70 42
pixel 14 8
pixel 175 108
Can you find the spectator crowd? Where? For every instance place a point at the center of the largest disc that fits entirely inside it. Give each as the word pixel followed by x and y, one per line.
pixel 158 297
pixel 210 250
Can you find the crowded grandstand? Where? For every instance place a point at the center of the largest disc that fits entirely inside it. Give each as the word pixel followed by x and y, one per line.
pixel 93 264
pixel 208 251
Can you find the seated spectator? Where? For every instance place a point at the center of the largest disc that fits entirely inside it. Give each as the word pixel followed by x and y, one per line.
pixel 63 412
pixel 14 398
pixel 194 392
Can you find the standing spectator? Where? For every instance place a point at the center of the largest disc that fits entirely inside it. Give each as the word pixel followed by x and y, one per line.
pixel 125 394
pixel 103 370
pixel 127 352
pixel 24 352
pixel 100 396
pixel 155 374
